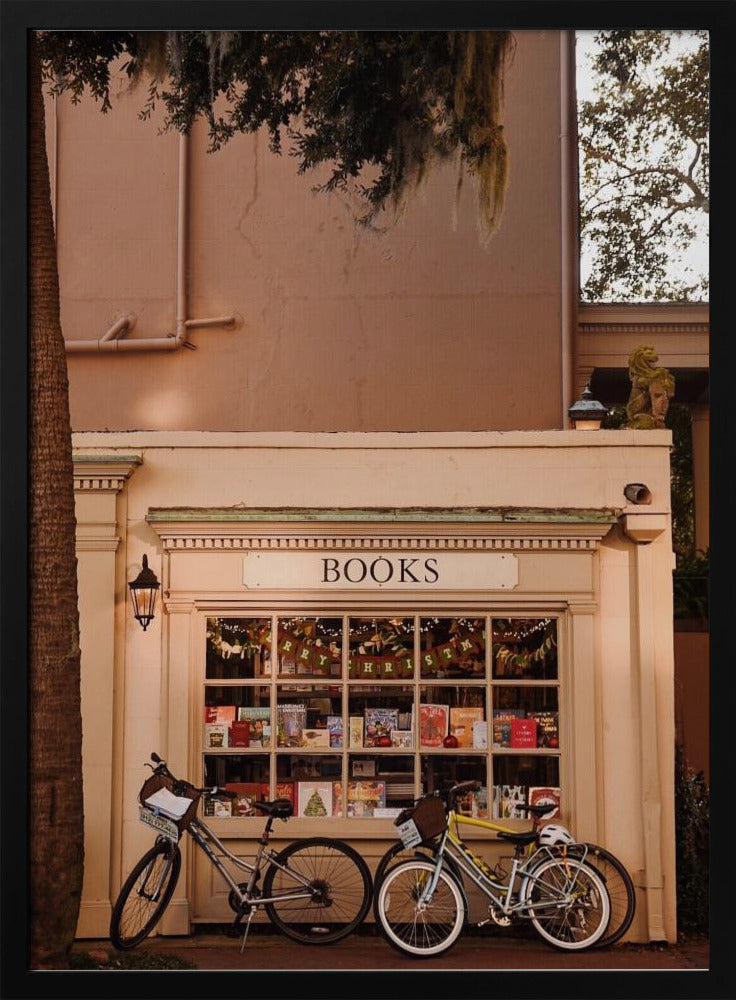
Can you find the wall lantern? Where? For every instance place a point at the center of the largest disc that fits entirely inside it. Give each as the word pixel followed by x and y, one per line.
pixel 587 413
pixel 143 594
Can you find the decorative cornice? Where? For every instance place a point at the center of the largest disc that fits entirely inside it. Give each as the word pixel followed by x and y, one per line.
pixel 648 328
pixel 103 473
pixel 192 536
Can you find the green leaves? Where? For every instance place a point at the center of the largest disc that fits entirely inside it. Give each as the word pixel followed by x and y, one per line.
pixel 644 166
pixel 379 109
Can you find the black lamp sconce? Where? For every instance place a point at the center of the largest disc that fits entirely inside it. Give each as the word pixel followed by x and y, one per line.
pixel 143 592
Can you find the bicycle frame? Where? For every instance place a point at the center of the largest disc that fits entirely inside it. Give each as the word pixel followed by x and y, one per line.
pixel 204 837
pixel 500 893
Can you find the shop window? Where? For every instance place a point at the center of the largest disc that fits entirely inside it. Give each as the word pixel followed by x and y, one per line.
pixel 361 715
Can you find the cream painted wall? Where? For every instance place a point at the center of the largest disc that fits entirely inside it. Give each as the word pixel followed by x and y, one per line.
pixel 422 328
pixel 598 592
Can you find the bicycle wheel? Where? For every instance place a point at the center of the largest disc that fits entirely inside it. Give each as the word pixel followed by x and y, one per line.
pixel 420 930
pixel 620 890
pixel 338 880
pixel 145 895
pixel 579 923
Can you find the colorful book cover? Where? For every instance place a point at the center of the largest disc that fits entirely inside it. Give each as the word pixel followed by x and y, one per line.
pixel 433 722
pixel 543 796
pixel 284 790
pixel 292 720
pixel 402 739
pixel 523 734
pixel 461 723
pixel 219 713
pixel 247 793
pixel 378 725
pixel 215 735
pixel 480 735
pixel 364 797
pixel 239 735
pixel 314 798
pixel 316 738
pixel 218 808
pixel 334 728
pixel 259 719
pixel 356 732
pixel 337 798
pixel 509 797
pixel 548 734
pixel 502 718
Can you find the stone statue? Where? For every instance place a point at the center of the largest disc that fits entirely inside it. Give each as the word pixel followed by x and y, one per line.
pixel 651 390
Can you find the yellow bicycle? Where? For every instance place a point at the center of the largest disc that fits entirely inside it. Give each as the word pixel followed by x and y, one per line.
pixel 619 884
pixel 421 905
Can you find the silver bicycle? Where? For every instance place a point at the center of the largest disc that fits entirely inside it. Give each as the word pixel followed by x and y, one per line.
pixel 421 904
pixel 316 890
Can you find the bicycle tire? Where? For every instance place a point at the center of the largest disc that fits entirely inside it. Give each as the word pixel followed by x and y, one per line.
pixel 340 879
pixel 577 926
pixel 420 933
pixel 620 889
pixel 397 854
pixel 134 915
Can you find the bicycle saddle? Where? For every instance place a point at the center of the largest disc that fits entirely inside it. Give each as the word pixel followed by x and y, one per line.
pixel 280 808
pixel 525 837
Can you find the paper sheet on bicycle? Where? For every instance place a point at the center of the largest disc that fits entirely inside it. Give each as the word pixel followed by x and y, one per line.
pixel 173 806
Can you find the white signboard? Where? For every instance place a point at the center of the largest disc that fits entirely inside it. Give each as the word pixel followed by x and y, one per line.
pixel 380 571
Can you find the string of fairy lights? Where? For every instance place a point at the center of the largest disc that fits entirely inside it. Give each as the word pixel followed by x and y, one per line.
pixel 390 636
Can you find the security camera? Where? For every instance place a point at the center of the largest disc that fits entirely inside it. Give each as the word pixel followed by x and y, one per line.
pixel 637 493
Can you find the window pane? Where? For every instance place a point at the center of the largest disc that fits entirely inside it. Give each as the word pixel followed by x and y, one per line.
pixel 236 716
pixel 526 717
pixel 525 648
pixel 394 776
pixel 453 647
pixel 532 780
pixel 310 647
pixel 380 716
pixel 440 772
pixel 221 769
pixel 314 781
pixel 381 648
pixel 238 648
pixel 308 715
pixel 455 713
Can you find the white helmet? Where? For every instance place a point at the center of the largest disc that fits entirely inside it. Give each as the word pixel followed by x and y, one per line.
pixel 553 834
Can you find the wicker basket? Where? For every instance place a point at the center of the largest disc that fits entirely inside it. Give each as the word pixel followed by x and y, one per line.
pixel 428 816
pixel 157 781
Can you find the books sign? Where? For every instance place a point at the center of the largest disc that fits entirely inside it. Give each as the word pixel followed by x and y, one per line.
pixel 373 571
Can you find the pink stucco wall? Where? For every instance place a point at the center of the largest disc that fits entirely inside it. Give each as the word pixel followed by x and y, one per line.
pixel 420 328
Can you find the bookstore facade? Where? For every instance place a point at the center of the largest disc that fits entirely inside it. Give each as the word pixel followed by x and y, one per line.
pixel 352 620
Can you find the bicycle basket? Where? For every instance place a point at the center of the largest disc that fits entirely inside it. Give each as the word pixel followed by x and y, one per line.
pixel 158 781
pixel 423 823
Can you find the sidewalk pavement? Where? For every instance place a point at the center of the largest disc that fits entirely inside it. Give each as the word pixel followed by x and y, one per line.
pixel 268 951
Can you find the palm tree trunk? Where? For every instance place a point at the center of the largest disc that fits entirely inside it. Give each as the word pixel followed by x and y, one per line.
pixel 56 826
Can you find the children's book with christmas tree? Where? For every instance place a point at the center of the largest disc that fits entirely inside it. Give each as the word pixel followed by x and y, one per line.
pixel 365 796
pixel 314 798
pixel 433 722
pixel 292 720
pixel 378 725
pixel 462 719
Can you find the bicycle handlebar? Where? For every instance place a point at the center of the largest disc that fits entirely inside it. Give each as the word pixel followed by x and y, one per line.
pixel 180 785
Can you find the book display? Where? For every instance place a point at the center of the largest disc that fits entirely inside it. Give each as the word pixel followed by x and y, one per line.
pixel 359 716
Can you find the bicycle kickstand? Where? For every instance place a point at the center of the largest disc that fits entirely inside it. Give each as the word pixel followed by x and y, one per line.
pixel 247 928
